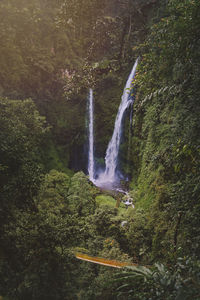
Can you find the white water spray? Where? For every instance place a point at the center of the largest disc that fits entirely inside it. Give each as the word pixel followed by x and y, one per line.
pixel 111 159
pixel 91 137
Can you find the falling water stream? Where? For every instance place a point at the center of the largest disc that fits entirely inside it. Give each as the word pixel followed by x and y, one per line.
pixel 110 177
pixel 91 136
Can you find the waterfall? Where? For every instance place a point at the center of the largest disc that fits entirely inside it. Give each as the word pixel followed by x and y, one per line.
pixel 91 136
pixel 111 158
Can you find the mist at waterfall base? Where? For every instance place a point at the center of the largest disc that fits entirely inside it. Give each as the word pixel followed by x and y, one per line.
pixel 110 176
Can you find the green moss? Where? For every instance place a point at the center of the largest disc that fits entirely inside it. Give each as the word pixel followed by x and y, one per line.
pixel 145 200
pixel 107 99
pixel 105 200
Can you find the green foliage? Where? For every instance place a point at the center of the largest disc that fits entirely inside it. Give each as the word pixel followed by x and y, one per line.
pixel 159 282
pixel 53 192
pixel 81 199
pixel 55 157
pixel 39 243
pixel 166 130
pixel 102 220
pixel 138 235
pixel 111 249
pixel 26 58
pixel 107 98
pixel 22 130
pixel 41 267
pixel 103 200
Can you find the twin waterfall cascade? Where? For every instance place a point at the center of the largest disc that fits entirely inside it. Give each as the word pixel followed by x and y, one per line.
pixel 91 137
pixel 110 177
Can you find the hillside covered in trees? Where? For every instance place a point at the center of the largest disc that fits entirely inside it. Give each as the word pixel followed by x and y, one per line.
pixel 51 53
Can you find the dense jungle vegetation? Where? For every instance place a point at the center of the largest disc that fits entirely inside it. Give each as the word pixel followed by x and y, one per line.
pixel 51 53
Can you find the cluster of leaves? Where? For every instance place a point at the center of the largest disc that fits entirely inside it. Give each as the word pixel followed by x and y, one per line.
pixel 166 131
pixel 22 131
pixel 160 282
pixel 45 42
pixel 33 253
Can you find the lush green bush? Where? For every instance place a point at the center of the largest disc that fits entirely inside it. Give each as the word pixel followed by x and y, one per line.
pixel 160 282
